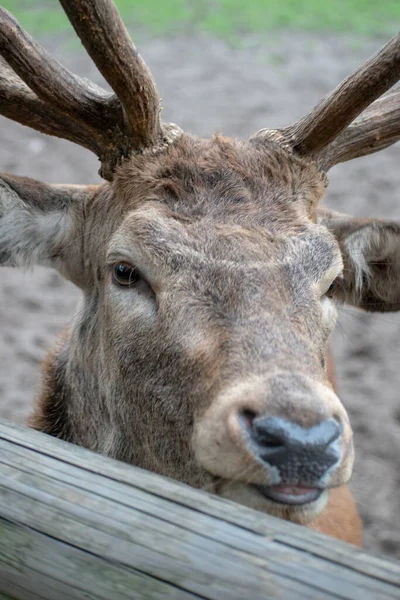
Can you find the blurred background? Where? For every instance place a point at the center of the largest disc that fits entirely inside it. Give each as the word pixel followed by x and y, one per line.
pixel 233 66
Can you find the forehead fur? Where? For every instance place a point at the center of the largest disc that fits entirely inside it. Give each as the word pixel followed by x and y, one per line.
pixel 224 180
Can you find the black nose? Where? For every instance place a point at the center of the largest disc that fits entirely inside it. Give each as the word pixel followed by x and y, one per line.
pixel 301 455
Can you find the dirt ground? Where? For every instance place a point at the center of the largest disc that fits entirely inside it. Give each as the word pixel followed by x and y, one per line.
pixel 208 86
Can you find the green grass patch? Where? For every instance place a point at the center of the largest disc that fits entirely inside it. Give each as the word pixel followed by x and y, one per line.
pixel 227 18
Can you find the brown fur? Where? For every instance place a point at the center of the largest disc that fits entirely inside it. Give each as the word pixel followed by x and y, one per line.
pixel 340 518
pixel 51 414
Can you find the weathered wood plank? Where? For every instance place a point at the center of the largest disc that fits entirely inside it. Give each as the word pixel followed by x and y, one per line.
pixel 168 512
pixel 53 566
pixel 4 597
pixel 170 538
pixel 129 542
pixel 205 503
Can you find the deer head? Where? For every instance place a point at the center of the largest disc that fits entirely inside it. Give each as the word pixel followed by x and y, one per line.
pixel 210 274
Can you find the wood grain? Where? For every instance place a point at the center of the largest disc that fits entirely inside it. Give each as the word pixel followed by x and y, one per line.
pixel 74 524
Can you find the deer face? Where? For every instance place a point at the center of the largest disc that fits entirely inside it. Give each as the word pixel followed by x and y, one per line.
pixel 210 280
pixel 216 297
pixel 210 275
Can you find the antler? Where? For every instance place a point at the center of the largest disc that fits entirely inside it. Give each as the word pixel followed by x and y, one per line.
pixel 107 42
pixel 38 91
pixel 322 134
pixel 375 129
pixel 19 103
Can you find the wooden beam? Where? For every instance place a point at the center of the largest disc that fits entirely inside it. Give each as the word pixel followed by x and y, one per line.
pixel 75 525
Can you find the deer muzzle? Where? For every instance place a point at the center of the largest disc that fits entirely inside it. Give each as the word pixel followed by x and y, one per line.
pixel 285 437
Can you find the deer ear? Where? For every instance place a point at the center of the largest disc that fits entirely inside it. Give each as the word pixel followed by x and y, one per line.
pixel 42 224
pixel 371 257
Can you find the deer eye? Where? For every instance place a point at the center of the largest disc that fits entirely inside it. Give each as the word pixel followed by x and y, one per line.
pixel 336 289
pixel 125 275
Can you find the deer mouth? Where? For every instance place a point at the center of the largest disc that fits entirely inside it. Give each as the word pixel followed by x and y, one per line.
pixel 293 495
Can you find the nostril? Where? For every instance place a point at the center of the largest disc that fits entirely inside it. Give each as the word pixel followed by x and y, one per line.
pixel 338 422
pixel 331 430
pixel 261 431
pixel 267 437
pixel 269 441
pixel 247 418
pixel 325 434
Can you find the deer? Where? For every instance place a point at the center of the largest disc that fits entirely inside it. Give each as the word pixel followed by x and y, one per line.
pixel 210 275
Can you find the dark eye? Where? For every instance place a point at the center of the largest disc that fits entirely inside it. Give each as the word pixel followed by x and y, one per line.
pixel 125 275
pixel 336 288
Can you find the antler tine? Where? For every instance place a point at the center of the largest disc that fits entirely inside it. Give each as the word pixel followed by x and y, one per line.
pixel 79 99
pixel 104 35
pixel 19 103
pixel 55 101
pixel 375 129
pixel 323 124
